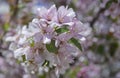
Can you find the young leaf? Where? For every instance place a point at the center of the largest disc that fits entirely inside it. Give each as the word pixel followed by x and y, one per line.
pixel 51 47
pixel 6 26
pixel 76 43
pixel 23 58
pixel 62 30
pixel 31 41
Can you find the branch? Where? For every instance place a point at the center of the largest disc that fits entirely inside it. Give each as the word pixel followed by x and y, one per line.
pixel 15 11
pixel 107 5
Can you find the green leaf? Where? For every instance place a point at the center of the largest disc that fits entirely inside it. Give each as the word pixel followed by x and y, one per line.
pixel 113 19
pixel 51 47
pixel 73 72
pixel 110 2
pixel 32 44
pixel 116 1
pixel 76 43
pixel 62 30
pixel 18 61
pixel 113 48
pixel 23 58
pixel 31 41
pixel 100 49
pixel 42 75
pixel 6 26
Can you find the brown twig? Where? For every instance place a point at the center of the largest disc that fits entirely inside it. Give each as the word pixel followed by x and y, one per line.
pixel 107 5
pixel 15 11
pixel 97 16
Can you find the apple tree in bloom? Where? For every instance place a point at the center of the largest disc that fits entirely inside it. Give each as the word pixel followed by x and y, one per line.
pixel 50 41
pixel 59 38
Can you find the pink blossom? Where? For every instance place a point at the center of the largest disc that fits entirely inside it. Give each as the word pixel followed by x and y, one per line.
pixel 47 39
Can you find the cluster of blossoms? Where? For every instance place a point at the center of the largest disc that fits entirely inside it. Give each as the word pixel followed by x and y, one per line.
pixel 113 11
pixel 8 66
pixel 51 40
pixel 87 9
pixel 111 16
